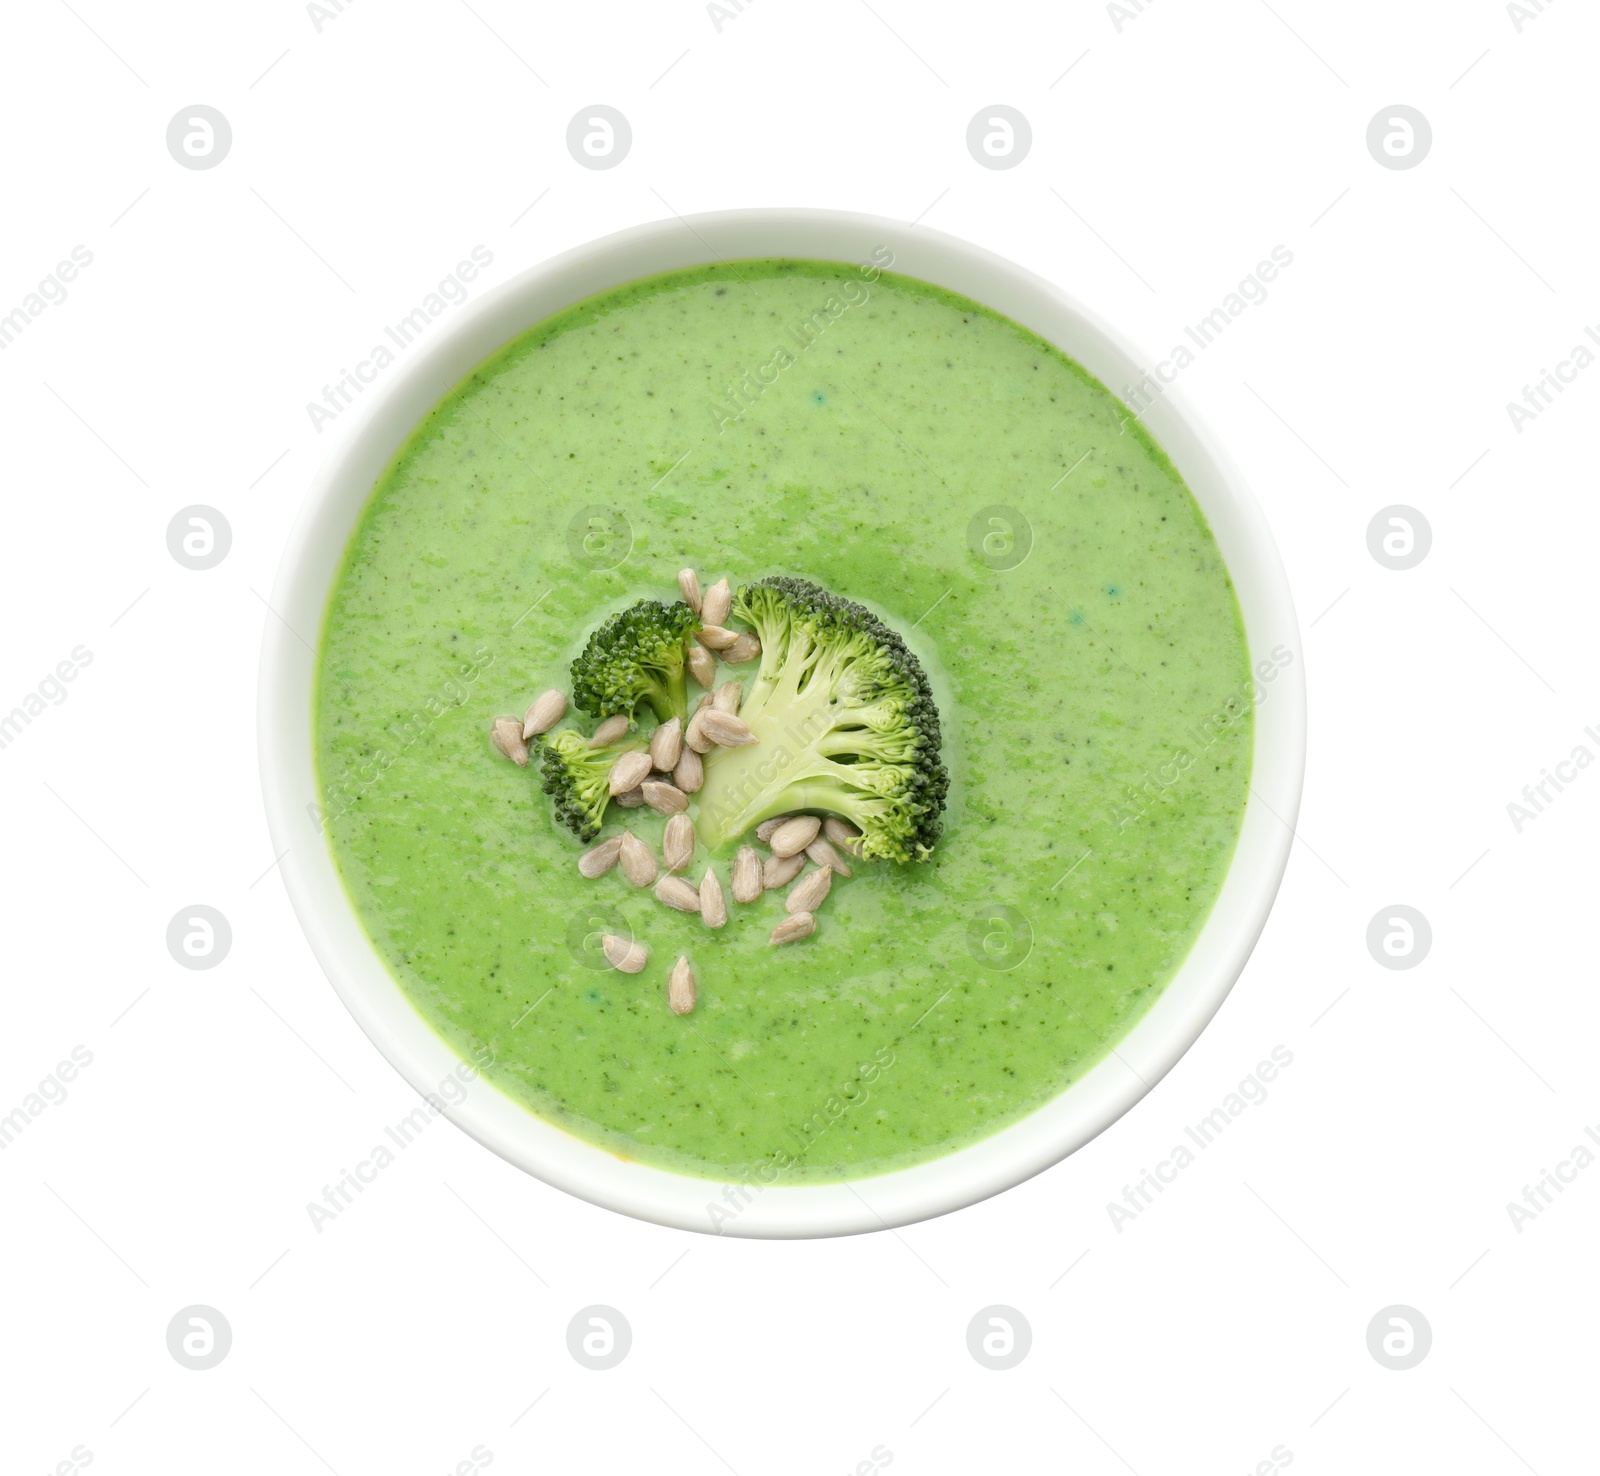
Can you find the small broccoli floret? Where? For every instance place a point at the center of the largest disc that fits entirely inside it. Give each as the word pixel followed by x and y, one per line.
pixel 638 655
pixel 845 723
pixel 578 779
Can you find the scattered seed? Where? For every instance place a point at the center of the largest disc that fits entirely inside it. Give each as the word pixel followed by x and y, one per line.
pixel 676 892
pixel 807 895
pixel 793 836
pixel 601 858
pixel 689 587
pixel 638 865
pixel 716 637
pixel 680 983
pixel 625 953
pixel 690 773
pixel 745 648
pixel 547 710
pixel 713 905
pixel 695 737
pixel 727 697
pixel 717 603
pixel 746 875
pixel 506 735
pixel 843 834
pixel 666 743
pixel 631 800
pixel 766 827
pixel 779 871
pixel 702 665
pixel 664 799
pixel 794 927
pixel 677 842
pixel 725 729
pixel 824 855
pixel 610 730
pixel 629 771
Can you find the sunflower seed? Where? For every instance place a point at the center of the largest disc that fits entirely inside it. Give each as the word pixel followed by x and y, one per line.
pixel 725 729
pixel 793 836
pixel 745 648
pixel 727 697
pixel 746 875
pixel 716 637
pixel 689 587
pixel 506 735
pixel 676 892
pixel 794 927
pixel 702 665
pixel 808 895
pixel 631 800
pixel 766 827
pixel 626 954
pixel 610 730
pixel 628 771
pixel 690 773
pixel 664 799
pixel 779 871
pixel 547 710
pixel 680 987
pixel 824 855
pixel 677 842
pixel 713 905
pixel 638 865
pixel 666 743
pixel 843 834
pixel 695 737
pixel 717 603
pixel 601 858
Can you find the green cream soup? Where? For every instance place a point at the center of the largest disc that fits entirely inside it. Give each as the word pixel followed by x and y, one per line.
pixel 907 449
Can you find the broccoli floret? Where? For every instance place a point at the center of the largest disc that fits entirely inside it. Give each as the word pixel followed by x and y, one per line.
pixel 578 779
pixel 638 655
pixel 845 724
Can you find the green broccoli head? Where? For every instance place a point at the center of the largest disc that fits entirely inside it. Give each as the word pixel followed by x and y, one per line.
pixel 578 779
pixel 638 655
pixel 845 723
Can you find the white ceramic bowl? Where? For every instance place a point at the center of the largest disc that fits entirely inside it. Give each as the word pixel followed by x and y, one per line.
pixel 358 975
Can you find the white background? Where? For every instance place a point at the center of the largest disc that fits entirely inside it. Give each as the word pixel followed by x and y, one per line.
pixel 1169 156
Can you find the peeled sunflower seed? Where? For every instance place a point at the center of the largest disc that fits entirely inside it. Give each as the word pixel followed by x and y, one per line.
pixel 717 603
pixel 506 735
pixel 779 871
pixel 746 875
pixel 677 842
pixel 716 637
pixel 689 588
pixel 824 854
pixel 664 799
pixel 638 865
pixel 695 736
pixel 666 743
pixel 713 905
pixel 680 987
pixel 843 834
pixel 610 730
pixel 793 836
pixel 601 858
pixel 690 773
pixel 727 697
pixel 725 729
pixel 745 648
pixel 626 954
pixel 547 709
pixel 632 799
pixel 702 665
pixel 766 827
pixel 794 927
pixel 676 892
pixel 629 771
pixel 807 895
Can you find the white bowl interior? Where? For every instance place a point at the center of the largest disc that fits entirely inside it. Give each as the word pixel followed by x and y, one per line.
pixel 387 1016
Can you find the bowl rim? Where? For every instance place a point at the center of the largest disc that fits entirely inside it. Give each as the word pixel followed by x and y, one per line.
pixel 1132 1065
